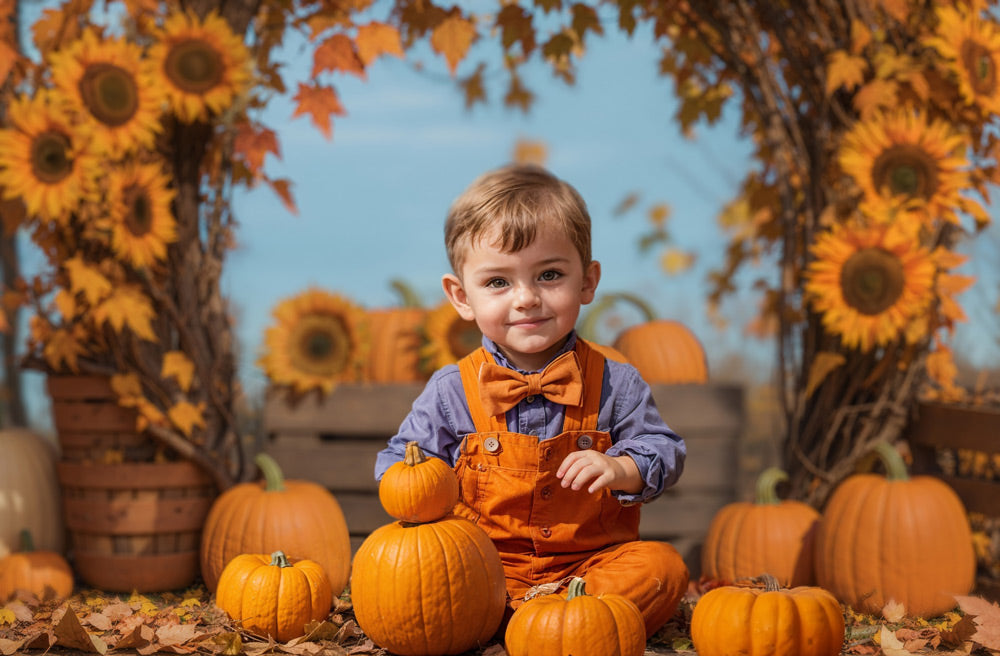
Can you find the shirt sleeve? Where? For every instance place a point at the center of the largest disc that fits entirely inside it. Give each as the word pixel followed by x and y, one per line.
pixel 438 421
pixel 638 430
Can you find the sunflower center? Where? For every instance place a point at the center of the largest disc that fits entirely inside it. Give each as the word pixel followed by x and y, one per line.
pixel 321 346
pixel 50 160
pixel 463 337
pixel 872 280
pixel 194 66
pixel 139 219
pixel 978 62
pixel 906 170
pixel 110 93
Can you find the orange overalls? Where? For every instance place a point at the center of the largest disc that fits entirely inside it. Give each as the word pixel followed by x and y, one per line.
pixel 546 533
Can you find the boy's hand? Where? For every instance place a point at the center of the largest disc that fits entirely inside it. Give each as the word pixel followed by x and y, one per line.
pixel 601 471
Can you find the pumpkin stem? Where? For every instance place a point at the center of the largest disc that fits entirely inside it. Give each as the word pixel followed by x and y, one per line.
pixel 895 468
pixel 275 480
pixel 407 295
pixel 279 559
pixel 766 491
pixel 771 584
pixel 576 588
pixel 27 541
pixel 588 325
pixel 414 454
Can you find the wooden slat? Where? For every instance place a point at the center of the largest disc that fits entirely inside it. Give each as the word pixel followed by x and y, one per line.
pixel 132 475
pixel 680 514
pixel 978 496
pixel 362 512
pixel 954 427
pixel 135 516
pixel 711 407
pixel 352 409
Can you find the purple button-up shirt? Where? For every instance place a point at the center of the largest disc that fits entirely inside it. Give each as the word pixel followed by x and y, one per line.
pixel 440 419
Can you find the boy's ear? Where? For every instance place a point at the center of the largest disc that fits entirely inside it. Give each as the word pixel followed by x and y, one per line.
pixel 455 293
pixel 591 276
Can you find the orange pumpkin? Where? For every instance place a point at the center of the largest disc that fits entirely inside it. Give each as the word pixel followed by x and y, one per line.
pixel 396 339
pixel 576 623
pixel 768 621
pixel 45 574
pixel 29 491
pixel 769 535
pixel 418 488
pixel 270 596
pixel 300 517
pixel 894 537
pixel 664 351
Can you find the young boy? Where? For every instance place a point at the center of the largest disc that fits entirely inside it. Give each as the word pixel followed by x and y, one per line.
pixel 554 446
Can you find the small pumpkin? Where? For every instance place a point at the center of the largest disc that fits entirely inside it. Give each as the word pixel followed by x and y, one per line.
pixel 665 351
pixel 769 535
pixel 894 537
pixel 270 596
pixel 428 589
pixel 300 517
pixel 30 496
pixel 45 574
pixel 576 623
pixel 767 621
pixel 418 488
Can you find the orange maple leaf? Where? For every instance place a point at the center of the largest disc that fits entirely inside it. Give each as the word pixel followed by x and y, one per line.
pixel 874 96
pixel 62 349
pixel 377 39
pixel 282 187
pixel 127 306
pixel 844 71
pixel 87 279
pixel 452 38
pixel 185 416
pixel 337 53
pixel 178 365
pixel 254 144
pixel 319 102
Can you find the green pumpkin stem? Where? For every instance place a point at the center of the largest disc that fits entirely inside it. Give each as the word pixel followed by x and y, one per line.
pixel 414 454
pixel 274 479
pixel 27 541
pixel 407 295
pixel 279 559
pixel 895 468
pixel 766 490
pixel 576 588
pixel 588 325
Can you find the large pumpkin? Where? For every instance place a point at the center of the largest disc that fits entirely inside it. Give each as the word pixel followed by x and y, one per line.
pixel 396 339
pixel 269 595
pixel 576 623
pixel 29 492
pixel 418 488
pixel 45 574
pixel 665 351
pixel 767 621
pixel 894 537
pixel 301 518
pixel 769 535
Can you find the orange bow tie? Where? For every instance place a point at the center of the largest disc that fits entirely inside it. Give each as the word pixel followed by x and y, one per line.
pixel 500 388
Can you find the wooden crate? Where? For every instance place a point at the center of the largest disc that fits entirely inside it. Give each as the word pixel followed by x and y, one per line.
pixel 334 442
pixel 936 435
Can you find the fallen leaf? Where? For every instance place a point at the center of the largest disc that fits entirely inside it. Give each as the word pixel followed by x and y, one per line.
pixel 8 647
pixel 71 634
pixel 176 634
pixel 891 645
pixel 231 643
pixel 140 636
pixel 7 616
pixel 959 634
pixel 893 611
pixel 99 621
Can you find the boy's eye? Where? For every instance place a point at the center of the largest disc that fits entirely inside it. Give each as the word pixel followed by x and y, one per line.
pixel 549 275
pixel 496 283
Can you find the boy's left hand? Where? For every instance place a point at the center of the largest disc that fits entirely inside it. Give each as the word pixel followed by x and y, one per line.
pixel 601 471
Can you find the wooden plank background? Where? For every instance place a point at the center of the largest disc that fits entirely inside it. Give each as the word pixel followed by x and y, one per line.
pixel 334 442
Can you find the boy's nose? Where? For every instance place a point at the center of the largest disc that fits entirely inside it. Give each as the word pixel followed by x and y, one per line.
pixel 526 296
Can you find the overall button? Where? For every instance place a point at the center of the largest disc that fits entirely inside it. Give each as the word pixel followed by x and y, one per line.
pixel 491 444
pixel 584 442
pixel 546 492
pixel 547 454
pixel 546 532
pixel 529 399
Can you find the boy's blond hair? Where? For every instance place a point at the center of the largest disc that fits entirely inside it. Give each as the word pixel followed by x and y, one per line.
pixel 517 199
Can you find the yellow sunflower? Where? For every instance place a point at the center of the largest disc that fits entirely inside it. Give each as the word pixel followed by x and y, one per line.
pixel 113 88
pixel 869 283
pixel 972 47
pixel 45 160
pixel 903 156
pixel 317 340
pixel 141 220
pixel 202 65
pixel 447 337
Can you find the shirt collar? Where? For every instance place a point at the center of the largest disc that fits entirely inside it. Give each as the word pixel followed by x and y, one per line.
pixel 502 360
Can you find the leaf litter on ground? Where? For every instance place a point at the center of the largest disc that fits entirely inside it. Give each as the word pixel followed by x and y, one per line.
pixel 188 622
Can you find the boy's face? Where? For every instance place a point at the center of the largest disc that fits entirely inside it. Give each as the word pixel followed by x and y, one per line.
pixel 527 302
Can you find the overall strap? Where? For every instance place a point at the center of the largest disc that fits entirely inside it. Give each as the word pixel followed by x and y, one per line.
pixel 469 368
pixel 584 416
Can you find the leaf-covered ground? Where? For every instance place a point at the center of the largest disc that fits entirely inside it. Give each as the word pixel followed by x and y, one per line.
pixel 187 622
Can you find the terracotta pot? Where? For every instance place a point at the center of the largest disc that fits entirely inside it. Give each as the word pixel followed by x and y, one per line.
pixel 135 526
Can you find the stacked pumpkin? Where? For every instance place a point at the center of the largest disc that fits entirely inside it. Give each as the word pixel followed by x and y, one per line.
pixel 432 582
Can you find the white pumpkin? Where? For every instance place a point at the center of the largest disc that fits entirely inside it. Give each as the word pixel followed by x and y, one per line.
pixel 29 492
